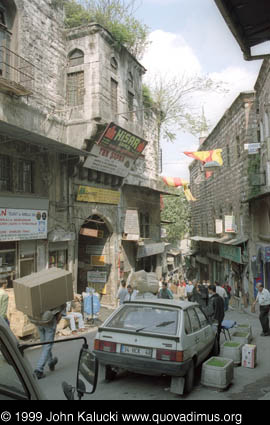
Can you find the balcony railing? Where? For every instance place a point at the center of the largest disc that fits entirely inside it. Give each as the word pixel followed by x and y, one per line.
pixel 16 73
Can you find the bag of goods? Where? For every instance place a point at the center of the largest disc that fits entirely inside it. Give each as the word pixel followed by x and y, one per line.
pixel 144 282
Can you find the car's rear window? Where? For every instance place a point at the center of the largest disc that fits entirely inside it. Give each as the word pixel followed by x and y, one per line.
pixel 150 319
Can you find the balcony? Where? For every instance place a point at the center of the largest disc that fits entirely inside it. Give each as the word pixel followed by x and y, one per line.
pixel 16 74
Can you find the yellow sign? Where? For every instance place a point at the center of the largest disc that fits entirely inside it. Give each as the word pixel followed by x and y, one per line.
pixel 98 260
pixel 99 196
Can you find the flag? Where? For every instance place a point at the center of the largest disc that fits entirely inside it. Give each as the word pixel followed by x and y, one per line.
pixel 207 156
pixel 175 182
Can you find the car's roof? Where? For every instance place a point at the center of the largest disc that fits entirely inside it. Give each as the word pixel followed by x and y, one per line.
pixel 165 302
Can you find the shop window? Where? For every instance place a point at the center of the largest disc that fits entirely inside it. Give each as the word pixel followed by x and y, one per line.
pixel 8 263
pixel 58 259
pixel 25 176
pixel 5 173
pixel 76 58
pixel 144 225
pixel 114 95
pixel 75 89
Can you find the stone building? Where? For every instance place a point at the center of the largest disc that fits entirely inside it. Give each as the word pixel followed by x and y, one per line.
pixel 220 216
pixel 80 157
pixel 259 198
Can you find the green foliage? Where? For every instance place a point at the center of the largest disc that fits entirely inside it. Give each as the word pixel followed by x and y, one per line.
pixel 117 16
pixel 177 210
pixel 148 101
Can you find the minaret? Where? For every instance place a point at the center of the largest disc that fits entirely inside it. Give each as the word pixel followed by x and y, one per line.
pixel 204 128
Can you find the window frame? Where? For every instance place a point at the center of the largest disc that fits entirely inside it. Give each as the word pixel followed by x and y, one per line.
pixel 75 89
pixel 6 178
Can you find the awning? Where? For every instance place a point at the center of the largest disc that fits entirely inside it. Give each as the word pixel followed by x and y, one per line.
pixel 203 239
pixel 14 133
pixel 248 21
pixel 150 249
pixel 174 253
pixel 202 260
pixel 236 241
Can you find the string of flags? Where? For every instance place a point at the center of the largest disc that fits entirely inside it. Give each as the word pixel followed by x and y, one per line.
pixel 176 182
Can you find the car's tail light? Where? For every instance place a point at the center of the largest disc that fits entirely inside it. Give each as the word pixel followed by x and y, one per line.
pixel 170 355
pixel 107 346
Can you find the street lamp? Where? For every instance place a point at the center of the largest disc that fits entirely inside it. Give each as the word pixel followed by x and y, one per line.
pixel 211 166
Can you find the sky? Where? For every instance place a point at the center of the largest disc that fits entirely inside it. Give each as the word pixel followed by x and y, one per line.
pixel 191 36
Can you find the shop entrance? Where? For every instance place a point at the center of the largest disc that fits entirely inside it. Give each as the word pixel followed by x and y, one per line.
pixel 94 263
pixel 27 267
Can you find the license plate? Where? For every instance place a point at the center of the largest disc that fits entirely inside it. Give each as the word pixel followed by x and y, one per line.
pixel 137 351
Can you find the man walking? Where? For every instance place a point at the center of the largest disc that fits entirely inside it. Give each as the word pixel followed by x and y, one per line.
pixel 132 293
pixel 263 298
pixel 215 310
pixel 122 292
pixel 47 331
pixel 3 300
pixel 165 292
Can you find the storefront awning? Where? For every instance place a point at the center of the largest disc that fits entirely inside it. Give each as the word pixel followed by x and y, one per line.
pixel 203 239
pixel 236 241
pixel 14 133
pixel 150 249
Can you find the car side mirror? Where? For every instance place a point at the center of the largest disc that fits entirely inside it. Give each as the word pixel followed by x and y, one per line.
pixel 87 373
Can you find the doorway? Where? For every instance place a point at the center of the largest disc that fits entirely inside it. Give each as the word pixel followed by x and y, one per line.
pixel 94 264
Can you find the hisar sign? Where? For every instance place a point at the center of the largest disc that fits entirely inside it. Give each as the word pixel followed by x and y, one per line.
pixel 121 140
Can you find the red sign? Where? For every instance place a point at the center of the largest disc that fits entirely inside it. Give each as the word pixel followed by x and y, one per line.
pixel 121 140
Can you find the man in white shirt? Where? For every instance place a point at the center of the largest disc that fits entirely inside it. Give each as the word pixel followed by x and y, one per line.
pixel 131 295
pixel 263 298
pixel 122 292
pixel 221 292
pixel 189 289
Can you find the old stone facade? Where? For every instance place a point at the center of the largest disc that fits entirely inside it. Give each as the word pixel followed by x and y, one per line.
pixel 95 210
pixel 220 215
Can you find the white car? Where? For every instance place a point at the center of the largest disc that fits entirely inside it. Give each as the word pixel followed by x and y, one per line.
pixel 155 337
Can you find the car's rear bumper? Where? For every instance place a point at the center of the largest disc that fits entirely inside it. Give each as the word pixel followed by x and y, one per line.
pixel 143 365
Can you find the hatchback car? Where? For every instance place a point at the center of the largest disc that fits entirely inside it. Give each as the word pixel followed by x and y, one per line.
pixel 155 337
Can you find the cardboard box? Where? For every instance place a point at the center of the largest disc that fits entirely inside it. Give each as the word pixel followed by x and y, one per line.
pixel 249 353
pixel 43 291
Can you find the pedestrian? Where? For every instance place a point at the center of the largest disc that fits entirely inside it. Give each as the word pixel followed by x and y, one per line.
pixel 131 295
pixel 122 292
pixel 196 296
pixel 189 288
pixel 215 310
pixel 228 289
pixel 204 293
pixel 47 329
pixel 182 291
pixel 165 292
pixel 72 316
pixel 263 298
pixel 222 293
pixel 4 300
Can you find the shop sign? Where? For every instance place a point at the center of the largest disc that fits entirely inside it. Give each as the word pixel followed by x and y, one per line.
pixel 230 252
pixel 98 260
pixel 94 249
pixel 150 249
pixel 121 140
pixel 109 161
pixel 219 226
pixel 132 226
pixel 252 148
pixel 97 195
pixel 229 223
pixel 96 277
pixel 22 224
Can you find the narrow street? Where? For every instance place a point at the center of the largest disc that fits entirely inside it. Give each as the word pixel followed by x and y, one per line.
pixel 248 384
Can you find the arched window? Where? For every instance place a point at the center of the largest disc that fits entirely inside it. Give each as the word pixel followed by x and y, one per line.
pixel 130 79
pixel 266 124
pixel 76 57
pixel 114 64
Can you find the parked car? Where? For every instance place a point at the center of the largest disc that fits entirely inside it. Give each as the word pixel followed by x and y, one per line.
pixel 155 337
pixel 17 380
